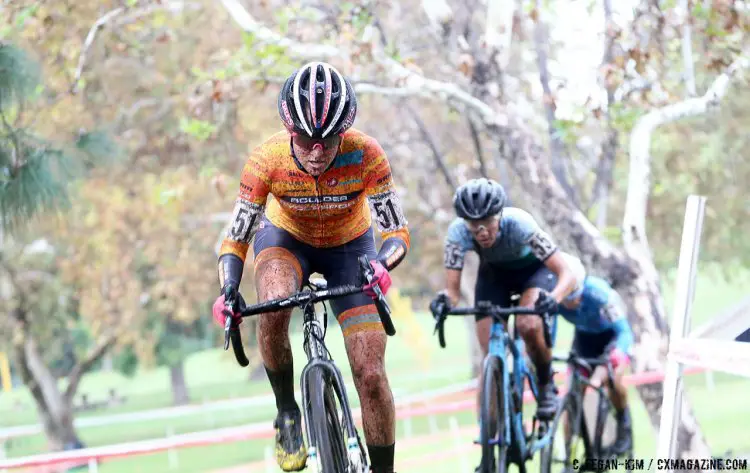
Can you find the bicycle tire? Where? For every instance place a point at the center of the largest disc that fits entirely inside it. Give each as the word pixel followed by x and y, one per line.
pixel 602 413
pixel 325 420
pixel 606 410
pixel 574 410
pixel 493 376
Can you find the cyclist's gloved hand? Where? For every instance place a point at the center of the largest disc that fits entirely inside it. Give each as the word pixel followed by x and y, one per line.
pixel 546 303
pixel 440 305
pixel 381 278
pixel 220 310
pixel 618 358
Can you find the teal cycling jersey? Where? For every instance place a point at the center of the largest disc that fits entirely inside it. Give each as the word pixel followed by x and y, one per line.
pixel 601 310
pixel 520 243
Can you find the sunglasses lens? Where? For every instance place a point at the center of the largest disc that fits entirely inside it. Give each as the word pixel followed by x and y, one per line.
pixel 308 143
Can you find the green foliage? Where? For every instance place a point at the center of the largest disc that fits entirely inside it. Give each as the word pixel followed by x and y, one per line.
pixel 126 361
pixel 32 183
pixel 283 15
pixel 624 117
pixel 34 172
pixel 19 76
pixel 55 322
pixel 392 50
pixel 360 19
pixel 98 146
pixel 177 340
pixel 699 11
pixel 568 130
pixel 201 130
pixel 706 156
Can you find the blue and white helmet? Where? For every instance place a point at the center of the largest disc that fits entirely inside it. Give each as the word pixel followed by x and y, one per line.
pixel 579 272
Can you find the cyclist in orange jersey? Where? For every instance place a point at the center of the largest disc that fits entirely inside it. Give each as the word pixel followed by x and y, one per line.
pixel 304 196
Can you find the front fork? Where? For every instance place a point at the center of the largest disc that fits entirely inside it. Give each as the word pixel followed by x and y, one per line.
pixel 355 450
pixel 497 347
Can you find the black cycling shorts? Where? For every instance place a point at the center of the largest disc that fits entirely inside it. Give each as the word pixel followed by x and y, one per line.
pixel 338 265
pixel 592 345
pixel 496 285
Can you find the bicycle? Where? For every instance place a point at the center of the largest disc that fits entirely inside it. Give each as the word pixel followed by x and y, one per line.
pixel 514 444
pixel 334 442
pixel 572 410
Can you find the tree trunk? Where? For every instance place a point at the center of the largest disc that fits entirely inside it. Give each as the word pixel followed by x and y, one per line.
pixel 631 273
pixel 558 153
pixel 180 394
pixel 54 408
pixel 604 171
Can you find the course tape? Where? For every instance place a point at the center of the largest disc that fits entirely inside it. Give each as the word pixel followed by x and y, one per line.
pixel 264 430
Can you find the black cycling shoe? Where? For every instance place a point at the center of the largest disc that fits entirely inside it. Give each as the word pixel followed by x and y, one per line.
pixel 624 437
pixel 291 454
pixel 547 401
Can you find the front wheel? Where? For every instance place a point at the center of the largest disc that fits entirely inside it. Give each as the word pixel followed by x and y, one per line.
pixel 493 419
pixel 325 417
pixel 567 445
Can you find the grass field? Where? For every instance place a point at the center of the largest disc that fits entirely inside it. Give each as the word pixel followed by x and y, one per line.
pixel 415 363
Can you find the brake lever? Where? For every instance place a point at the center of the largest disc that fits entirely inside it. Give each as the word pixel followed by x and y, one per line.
pixel 368 273
pixel 229 298
pixel 439 319
pixel 227 328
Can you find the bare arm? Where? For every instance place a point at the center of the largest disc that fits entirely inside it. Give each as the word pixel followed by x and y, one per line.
pixel 565 278
pixel 453 285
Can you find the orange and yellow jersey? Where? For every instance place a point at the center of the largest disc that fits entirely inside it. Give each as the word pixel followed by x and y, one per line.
pixel 323 212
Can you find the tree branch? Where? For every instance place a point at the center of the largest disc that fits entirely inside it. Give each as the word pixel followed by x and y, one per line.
pixel 498 33
pixel 11 133
pixel 18 316
pixel 634 221
pixel 266 35
pixel 687 49
pixel 409 82
pixel 624 92
pixel 440 15
pixel 557 147
pixel 477 146
pixel 74 378
pixel 174 6
pixel 439 160
pixel 103 20
pixel 604 170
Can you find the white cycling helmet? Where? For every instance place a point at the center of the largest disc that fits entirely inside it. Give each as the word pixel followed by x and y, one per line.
pixel 579 272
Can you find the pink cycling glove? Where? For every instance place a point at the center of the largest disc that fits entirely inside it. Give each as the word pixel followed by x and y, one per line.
pixel 381 278
pixel 220 313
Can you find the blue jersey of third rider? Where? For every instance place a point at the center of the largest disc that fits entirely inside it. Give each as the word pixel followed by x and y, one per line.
pixel 601 309
pixel 520 243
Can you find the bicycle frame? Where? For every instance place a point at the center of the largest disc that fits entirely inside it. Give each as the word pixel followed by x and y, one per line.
pixel 577 387
pixel 520 447
pixel 318 357
pixel 319 360
pixel 515 436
